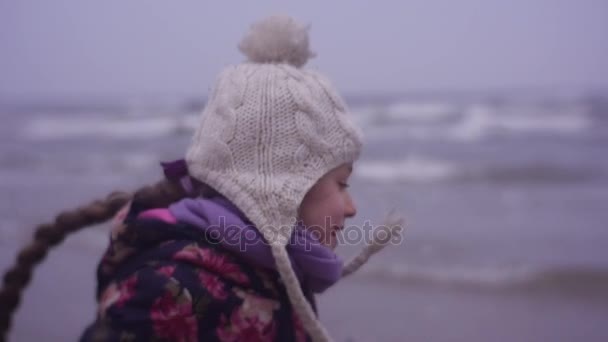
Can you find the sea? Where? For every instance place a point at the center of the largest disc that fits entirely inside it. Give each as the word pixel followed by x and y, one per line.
pixel 504 195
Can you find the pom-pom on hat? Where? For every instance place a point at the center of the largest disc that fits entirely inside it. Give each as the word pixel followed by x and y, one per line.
pixel 278 39
pixel 270 130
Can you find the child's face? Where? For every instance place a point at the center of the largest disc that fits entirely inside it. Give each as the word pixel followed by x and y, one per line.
pixel 327 205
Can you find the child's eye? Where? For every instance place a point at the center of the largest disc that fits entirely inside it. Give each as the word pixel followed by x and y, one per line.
pixel 344 185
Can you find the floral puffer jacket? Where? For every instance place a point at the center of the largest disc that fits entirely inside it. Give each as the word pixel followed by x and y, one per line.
pixel 170 282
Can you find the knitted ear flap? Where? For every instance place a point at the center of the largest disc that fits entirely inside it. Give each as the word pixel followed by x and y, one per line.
pixel 296 296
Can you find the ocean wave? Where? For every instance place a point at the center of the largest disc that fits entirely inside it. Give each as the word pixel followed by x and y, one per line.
pixel 134 162
pixel 44 129
pixel 472 123
pixel 563 280
pixel 404 119
pixel 565 122
pixel 534 173
pixel 100 166
pixel 414 170
pixel 420 170
pixel 407 112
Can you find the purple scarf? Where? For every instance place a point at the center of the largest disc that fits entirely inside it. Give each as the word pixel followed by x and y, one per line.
pixel 316 266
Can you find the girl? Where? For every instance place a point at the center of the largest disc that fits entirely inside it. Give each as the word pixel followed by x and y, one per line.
pixel 238 238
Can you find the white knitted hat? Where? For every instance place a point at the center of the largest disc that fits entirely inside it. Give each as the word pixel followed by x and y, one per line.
pixel 269 132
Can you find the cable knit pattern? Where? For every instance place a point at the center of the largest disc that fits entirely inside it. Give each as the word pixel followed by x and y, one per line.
pixel 269 131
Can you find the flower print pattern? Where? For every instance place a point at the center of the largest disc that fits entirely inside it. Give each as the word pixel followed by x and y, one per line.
pixel 220 264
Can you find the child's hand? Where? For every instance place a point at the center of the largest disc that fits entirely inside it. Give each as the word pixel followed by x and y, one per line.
pixel 388 232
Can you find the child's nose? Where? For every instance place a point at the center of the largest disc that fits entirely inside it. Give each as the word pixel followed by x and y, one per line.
pixel 350 210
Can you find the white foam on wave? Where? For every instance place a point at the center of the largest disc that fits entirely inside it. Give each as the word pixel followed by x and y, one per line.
pixel 470 124
pixel 100 127
pixel 564 124
pixel 409 120
pixel 124 162
pixel 400 113
pixel 420 112
pixel 483 119
pixel 364 116
pixel 414 169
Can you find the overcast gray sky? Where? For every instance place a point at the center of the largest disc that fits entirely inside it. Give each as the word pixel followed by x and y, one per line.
pixel 118 47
